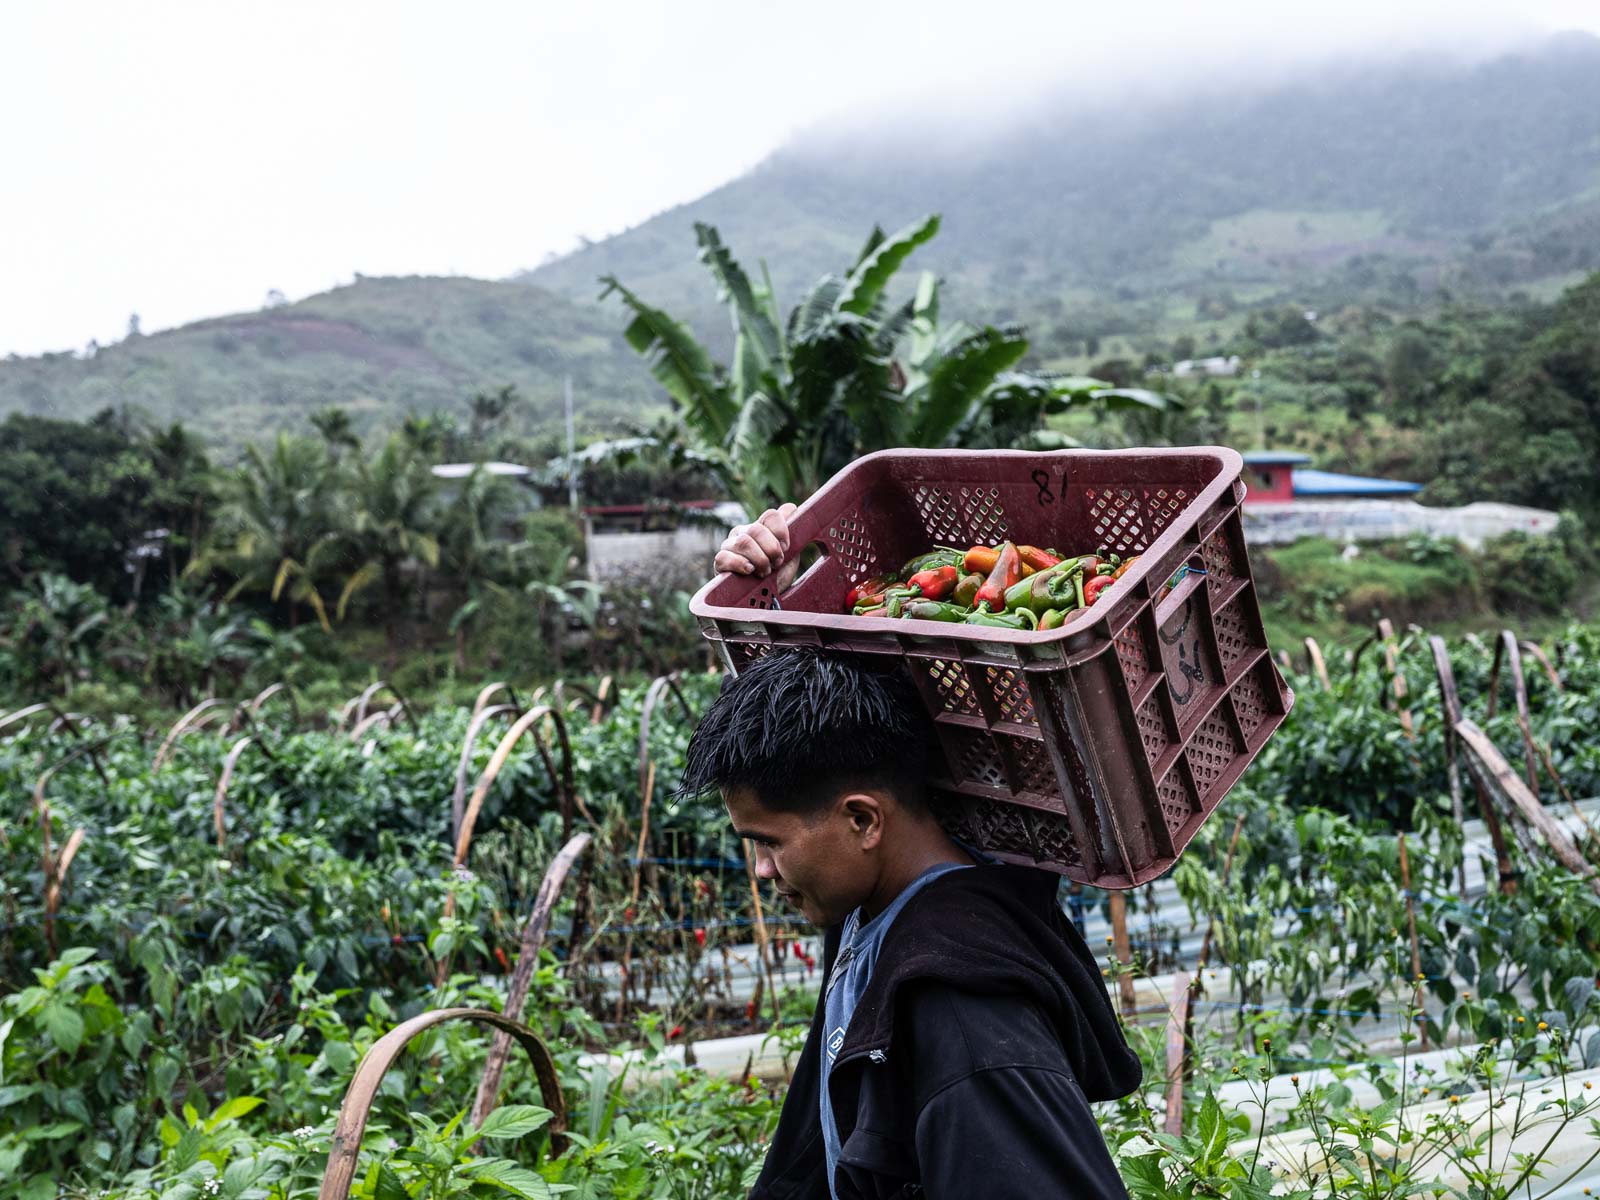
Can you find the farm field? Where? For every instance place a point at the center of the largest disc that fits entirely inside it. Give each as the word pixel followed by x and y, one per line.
pixel 210 928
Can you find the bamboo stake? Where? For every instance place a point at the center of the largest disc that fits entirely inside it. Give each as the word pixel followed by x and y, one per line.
pixel 1178 1055
pixel 1487 762
pixel 1391 664
pixel 1416 952
pixel 1486 807
pixel 1119 937
pixel 626 985
pixel 761 931
pixel 1314 652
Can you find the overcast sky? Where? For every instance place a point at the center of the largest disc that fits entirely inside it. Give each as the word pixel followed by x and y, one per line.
pixel 179 160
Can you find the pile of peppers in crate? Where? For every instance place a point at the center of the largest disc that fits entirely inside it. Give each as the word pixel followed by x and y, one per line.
pixel 1006 587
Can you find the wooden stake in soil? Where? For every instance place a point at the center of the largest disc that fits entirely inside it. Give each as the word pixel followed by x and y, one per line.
pixel 1119 937
pixel 1486 806
pixel 533 934
pixel 761 930
pixel 1416 952
pixel 625 986
pixel 1391 664
pixel 1489 765
pixel 1314 653
pixel 1177 1052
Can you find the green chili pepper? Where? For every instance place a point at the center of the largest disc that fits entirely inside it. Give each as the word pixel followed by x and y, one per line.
pixel 933 610
pixel 1054 619
pixel 1023 619
pixel 966 593
pixel 1048 589
pixel 896 599
pixel 942 556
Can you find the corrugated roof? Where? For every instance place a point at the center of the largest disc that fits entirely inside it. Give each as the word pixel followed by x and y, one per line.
pixel 462 470
pixel 1329 483
pixel 1274 458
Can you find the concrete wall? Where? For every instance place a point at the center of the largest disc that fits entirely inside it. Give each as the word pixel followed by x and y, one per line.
pixel 1376 520
pixel 684 553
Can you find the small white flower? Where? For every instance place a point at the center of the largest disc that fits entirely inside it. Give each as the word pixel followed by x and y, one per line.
pixel 465 875
pixel 303 1133
pixel 213 1186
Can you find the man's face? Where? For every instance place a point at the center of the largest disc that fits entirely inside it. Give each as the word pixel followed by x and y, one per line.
pixel 824 863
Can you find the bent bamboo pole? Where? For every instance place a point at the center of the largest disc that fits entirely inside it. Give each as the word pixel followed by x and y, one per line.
pixel 357 1106
pixel 365 699
pixel 489 689
pixel 652 697
pixel 1486 809
pixel 223 781
pixel 1314 653
pixel 498 760
pixel 1488 764
pixel 1391 664
pixel 276 689
pixel 1540 658
pixel 533 934
pixel 370 722
pixel 183 723
pixel 480 717
pixel 22 714
pixel 1452 767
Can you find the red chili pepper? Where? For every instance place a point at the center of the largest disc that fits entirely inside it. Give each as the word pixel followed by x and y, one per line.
pixel 750 1011
pixel 1036 558
pixel 799 950
pixel 676 1032
pixel 811 964
pixel 700 937
pixel 627 914
pixel 701 888
pixel 867 587
pixel 500 957
pixel 936 583
pixel 1007 570
pixel 397 940
pixel 1092 589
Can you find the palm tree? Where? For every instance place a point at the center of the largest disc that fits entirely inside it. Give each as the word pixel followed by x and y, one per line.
pixel 844 375
pixel 470 555
pixel 334 426
pixel 274 529
pixel 390 524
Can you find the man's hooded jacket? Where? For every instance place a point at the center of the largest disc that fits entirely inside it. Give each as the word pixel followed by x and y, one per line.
pixel 969 1064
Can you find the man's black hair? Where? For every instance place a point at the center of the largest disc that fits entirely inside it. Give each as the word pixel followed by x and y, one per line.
pixel 797 726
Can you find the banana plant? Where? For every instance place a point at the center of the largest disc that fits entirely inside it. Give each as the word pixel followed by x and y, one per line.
pixel 845 374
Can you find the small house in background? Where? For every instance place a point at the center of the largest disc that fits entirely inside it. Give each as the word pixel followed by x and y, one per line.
pixel 1280 476
pixel 1221 366
pixel 1286 499
pixel 676 542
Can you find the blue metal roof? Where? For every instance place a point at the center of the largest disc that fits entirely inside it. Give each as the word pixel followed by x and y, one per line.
pixel 1274 458
pixel 1329 483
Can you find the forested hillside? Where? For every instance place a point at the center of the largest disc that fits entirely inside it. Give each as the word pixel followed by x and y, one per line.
pixel 1383 181
pixel 1109 232
pixel 379 348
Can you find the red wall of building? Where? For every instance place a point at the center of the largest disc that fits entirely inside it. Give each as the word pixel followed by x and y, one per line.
pixel 1269 483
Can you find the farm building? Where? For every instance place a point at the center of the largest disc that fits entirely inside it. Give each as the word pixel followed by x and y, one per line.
pixel 1288 499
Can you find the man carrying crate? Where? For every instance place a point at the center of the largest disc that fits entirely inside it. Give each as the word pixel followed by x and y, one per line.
pixel 964 1026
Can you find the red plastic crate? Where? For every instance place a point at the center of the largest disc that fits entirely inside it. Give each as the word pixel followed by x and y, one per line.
pixel 1097 749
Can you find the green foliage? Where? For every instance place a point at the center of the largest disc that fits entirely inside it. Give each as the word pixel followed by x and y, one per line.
pixel 82 499
pixel 846 374
pixel 379 347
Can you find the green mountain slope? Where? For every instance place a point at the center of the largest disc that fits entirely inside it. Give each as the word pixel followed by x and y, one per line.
pixel 381 347
pixel 1483 176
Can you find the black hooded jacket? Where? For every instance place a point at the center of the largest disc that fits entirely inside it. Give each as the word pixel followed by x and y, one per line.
pixel 969 1064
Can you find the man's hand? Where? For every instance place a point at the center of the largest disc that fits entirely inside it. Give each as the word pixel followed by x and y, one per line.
pixel 760 547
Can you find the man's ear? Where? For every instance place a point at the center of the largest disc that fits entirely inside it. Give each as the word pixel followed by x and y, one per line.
pixel 864 811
